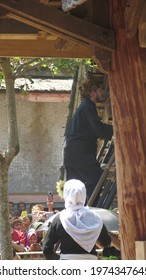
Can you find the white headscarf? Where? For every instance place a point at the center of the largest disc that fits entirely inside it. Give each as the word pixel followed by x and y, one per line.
pixel 79 221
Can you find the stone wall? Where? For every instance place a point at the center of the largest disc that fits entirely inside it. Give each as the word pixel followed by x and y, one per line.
pixel 41 135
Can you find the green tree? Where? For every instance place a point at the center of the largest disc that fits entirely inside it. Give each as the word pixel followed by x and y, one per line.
pixel 5 159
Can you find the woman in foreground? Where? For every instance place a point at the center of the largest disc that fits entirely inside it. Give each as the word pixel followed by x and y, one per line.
pixel 76 227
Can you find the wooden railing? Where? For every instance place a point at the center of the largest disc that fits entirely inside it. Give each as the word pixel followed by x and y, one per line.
pixel 38 255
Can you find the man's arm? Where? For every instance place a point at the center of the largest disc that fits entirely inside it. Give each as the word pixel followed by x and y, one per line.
pixel 98 128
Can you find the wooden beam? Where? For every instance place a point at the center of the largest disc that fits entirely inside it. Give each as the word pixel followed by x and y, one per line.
pixel 140 250
pixel 62 44
pixel 64 25
pixel 102 58
pixel 132 16
pixel 128 99
pixel 54 3
pixel 18 36
pixel 41 48
pixel 14 36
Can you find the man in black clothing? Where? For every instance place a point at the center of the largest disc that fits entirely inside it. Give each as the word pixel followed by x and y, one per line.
pixel 81 140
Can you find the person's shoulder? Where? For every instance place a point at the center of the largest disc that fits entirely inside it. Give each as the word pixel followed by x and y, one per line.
pixel 85 104
pixel 15 232
pixel 55 218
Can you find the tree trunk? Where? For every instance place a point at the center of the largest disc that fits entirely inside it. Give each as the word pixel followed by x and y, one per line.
pixel 5 237
pixel 5 160
pixel 128 98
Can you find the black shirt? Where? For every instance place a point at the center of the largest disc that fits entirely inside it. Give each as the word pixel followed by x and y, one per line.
pixel 57 233
pixel 82 135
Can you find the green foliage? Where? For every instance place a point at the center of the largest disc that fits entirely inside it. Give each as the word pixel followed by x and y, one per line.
pixel 65 66
pixel 109 258
pixel 24 88
pixel 1 78
pixel 21 67
pixel 55 65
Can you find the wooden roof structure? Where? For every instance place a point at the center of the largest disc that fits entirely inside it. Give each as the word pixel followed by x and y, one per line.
pixel 113 34
pixel 42 29
pixel 67 28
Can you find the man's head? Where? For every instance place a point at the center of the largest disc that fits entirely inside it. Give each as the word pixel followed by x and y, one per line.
pixel 11 206
pixel 21 206
pixel 16 223
pixel 91 88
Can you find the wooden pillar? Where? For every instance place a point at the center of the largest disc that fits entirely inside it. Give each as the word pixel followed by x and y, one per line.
pixel 140 249
pixel 128 98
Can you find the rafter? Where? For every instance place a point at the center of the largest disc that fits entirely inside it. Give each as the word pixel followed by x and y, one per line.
pixel 42 48
pixel 64 25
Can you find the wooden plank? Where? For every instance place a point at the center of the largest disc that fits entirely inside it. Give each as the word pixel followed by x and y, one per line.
pixel 140 249
pixel 64 25
pixel 26 36
pixel 41 48
pixel 132 16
